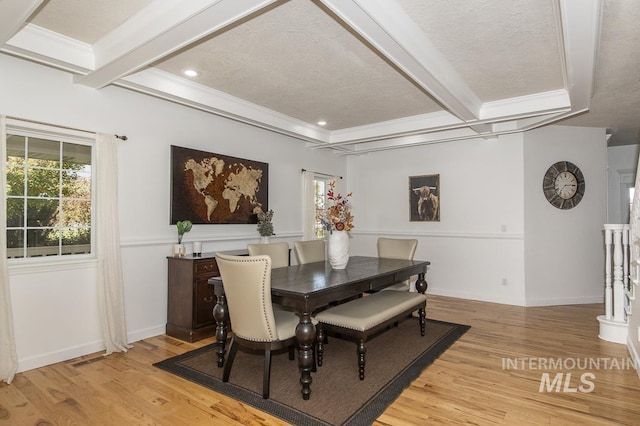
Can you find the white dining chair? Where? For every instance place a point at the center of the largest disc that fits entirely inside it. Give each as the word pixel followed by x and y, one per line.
pixel 256 324
pixel 397 248
pixel 309 251
pixel 279 253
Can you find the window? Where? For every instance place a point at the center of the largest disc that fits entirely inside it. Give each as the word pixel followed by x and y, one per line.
pixel 49 196
pixel 320 187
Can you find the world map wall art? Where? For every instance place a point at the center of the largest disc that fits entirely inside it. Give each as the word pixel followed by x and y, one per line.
pixel 215 188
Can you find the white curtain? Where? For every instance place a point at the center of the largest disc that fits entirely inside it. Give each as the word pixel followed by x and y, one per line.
pixel 8 355
pixel 308 205
pixel 110 281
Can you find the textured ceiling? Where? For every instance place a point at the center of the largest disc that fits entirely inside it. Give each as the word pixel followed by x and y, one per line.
pixel 297 60
pixel 382 74
pixel 83 20
pixel 480 40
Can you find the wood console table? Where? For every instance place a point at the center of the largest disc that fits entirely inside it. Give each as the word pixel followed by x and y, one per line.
pixel 190 299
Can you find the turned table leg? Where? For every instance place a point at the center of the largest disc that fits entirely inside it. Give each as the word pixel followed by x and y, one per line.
pixel 421 283
pixel 421 286
pixel 305 336
pixel 220 314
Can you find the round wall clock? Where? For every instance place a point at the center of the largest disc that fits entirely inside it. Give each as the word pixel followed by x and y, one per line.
pixel 563 185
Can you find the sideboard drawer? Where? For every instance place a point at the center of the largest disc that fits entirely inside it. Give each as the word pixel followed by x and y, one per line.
pixel 206 266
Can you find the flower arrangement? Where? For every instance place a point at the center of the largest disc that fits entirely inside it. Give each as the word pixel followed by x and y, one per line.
pixel 265 226
pixel 183 226
pixel 338 215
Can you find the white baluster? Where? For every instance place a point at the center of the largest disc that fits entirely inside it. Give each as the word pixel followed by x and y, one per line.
pixel 608 308
pixel 618 286
pixel 625 252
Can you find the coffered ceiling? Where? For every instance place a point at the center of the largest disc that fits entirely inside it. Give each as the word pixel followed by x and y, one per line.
pixel 382 74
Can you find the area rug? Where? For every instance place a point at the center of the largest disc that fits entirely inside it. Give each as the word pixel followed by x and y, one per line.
pixel 394 358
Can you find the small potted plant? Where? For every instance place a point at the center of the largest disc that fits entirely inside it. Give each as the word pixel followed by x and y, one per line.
pixel 183 226
pixel 265 225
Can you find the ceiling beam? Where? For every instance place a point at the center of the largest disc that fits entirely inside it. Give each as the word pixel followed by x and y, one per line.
pixel 159 30
pixel 405 135
pixel 164 85
pixel 580 23
pixel 14 15
pixel 46 47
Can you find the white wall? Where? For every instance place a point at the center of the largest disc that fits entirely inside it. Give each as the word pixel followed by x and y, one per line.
pixel 564 249
pixel 496 225
pixel 54 308
pixel 478 242
pixel 622 165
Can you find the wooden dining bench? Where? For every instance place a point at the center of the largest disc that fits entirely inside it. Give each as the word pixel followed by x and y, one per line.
pixel 363 317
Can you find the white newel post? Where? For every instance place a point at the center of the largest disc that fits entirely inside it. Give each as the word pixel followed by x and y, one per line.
pixel 613 325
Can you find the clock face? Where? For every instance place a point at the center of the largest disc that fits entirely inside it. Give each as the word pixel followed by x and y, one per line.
pixel 566 185
pixel 563 185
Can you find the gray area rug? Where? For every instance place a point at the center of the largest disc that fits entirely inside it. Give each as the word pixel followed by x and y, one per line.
pixel 394 358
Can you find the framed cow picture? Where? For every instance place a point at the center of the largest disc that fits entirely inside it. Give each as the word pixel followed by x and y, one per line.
pixel 424 198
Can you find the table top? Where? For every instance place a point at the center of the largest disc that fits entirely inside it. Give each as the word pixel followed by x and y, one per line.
pixel 316 277
pixel 313 285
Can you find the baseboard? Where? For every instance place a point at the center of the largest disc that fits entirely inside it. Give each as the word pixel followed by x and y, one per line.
pixel 634 354
pixel 473 296
pixel 146 333
pixel 516 301
pixel 582 300
pixel 25 364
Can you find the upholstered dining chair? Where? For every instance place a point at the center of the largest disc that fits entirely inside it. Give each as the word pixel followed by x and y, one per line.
pixel 397 248
pixel 309 251
pixel 256 324
pixel 279 253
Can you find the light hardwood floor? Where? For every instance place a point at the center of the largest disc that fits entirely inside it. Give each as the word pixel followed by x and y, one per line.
pixel 466 385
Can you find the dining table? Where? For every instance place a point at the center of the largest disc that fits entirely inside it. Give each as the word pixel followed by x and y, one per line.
pixel 310 287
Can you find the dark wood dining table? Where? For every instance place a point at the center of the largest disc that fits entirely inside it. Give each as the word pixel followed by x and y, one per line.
pixel 309 287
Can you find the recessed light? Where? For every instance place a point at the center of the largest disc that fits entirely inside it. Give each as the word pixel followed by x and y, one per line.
pixel 322 123
pixel 191 73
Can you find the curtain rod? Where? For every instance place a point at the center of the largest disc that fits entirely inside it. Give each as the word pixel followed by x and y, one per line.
pixel 124 138
pixel 322 174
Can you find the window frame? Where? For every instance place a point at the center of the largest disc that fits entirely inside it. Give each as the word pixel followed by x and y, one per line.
pixel 62 135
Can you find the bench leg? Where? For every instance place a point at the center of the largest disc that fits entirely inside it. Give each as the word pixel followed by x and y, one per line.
pixel 361 352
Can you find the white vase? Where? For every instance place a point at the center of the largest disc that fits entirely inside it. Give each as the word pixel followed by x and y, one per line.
pixel 178 250
pixel 265 240
pixel 338 249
